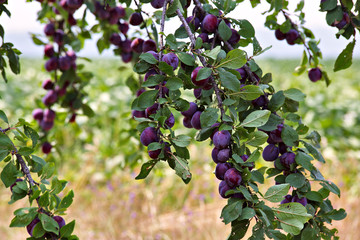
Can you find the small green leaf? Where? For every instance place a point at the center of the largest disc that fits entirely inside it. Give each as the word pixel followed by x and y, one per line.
pixel 174 83
pixel 276 193
pixel 296 180
pixel 209 117
pixel 48 223
pixel 146 169
pixel 224 31
pixel 294 94
pixel 234 59
pixel 181 140
pixel 203 73
pixel 4 117
pixel 149 58
pixel 67 230
pixel 231 211
pixel 8 174
pixel 289 136
pixel 229 80
pixel 186 58
pixel 67 200
pixel 344 60
pixel 256 119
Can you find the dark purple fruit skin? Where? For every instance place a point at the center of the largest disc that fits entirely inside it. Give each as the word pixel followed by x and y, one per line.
pixel 204 37
pixel 224 155
pixel 155 54
pixel 38 114
pixel 59 37
pixel 136 19
pixel 124 28
pixel 195 120
pixel 59 220
pixel 197 93
pixel 287 159
pixel 149 73
pixel 221 169
pixel 214 154
pixel 344 21
pixel 291 36
pixel 154 154
pixel 49 50
pixel 315 74
pixel 210 23
pixel 49 29
pixel 46 125
pixel 235 37
pixel 193 21
pixel 47 84
pixel 245 158
pixel 31 226
pixel 50 98
pixel 221 139
pixel 279 35
pixel 126 57
pixel 14 184
pixel 46 147
pixel 232 177
pixel 170 122
pixel 302 200
pixel 148 136
pixel 194 74
pixel 115 39
pixel 157 3
pixel 187 122
pixel 137 45
pixel 64 63
pixel 151 110
pixel 223 188
pixel 287 199
pixel 190 112
pixel 270 153
pixel 243 74
pixel 171 59
pixel 261 101
pixel 72 118
pixel 51 64
pixel 282 148
pixel 49 115
pixel 216 125
pixel 149 45
pixel 138 114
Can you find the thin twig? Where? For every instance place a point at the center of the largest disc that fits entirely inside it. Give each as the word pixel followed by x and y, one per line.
pixel 203 61
pixel 25 169
pixel 141 11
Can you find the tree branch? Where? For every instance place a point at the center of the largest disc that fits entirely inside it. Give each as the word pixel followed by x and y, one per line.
pixel 25 169
pixel 203 61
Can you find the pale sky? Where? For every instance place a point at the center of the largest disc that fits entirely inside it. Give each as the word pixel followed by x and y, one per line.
pixel 23 22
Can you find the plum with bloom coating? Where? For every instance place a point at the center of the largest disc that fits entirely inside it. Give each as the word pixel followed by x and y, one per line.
pixel 221 139
pixel 232 177
pixel 148 136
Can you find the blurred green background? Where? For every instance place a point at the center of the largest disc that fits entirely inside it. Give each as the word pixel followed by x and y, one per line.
pixel 100 156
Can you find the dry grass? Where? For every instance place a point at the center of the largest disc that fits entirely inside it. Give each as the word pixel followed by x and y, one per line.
pixel 161 207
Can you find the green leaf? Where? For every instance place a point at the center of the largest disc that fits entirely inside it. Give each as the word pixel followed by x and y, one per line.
pixel 174 83
pixel 314 196
pixel 257 138
pixel 224 31
pixel 344 60
pixel 256 176
pixel 292 217
pixel 256 118
pixel 213 54
pixel 25 151
pixel 13 61
pixel 67 230
pixel 48 170
pixel 146 169
pixel 87 111
pixel 331 187
pixel 149 58
pixel 44 200
pixel 181 168
pixel 294 94
pixel 313 151
pixel 337 214
pixel 328 5
pixel 276 193
pixel 296 180
pixel 67 200
pixel 181 140
pixel 247 213
pixel 187 59
pixel 229 80
pixel 48 223
pixel 231 211
pixel 32 134
pixel 276 101
pixel 250 92
pixel 5 142
pixel 23 217
pixel 147 99
pixel 203 73
pixel 209 117
pixel 304 160
pixel 234 59
pixel 4 117
pixel 8 174
pixel 246 29
pixel 289 136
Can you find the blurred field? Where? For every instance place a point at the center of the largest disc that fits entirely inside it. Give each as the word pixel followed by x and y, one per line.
pixel 95 155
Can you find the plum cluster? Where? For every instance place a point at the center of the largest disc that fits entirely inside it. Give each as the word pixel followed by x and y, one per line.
pixel 291 36
pixel 49 235
pixel 289 198
pixel 192 117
